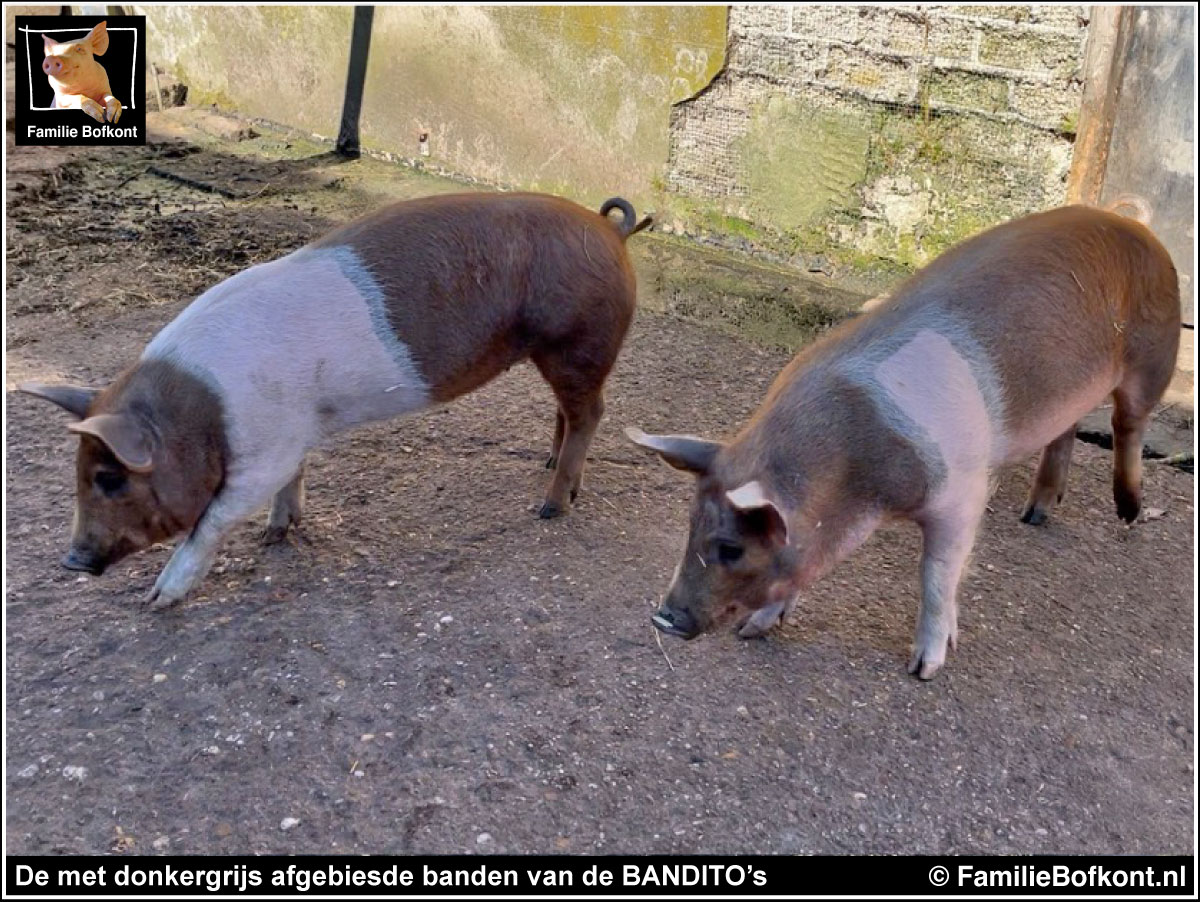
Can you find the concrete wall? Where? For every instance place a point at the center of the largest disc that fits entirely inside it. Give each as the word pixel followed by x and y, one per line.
pixel 892 132
pixel 833 137
pixel 572 100
pixel 283 63
pixel 1152 152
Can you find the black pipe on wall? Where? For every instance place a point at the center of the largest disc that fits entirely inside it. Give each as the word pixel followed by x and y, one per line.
pixel 356 76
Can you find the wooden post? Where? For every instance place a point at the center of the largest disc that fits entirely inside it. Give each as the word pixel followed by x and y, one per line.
pixel 1104 61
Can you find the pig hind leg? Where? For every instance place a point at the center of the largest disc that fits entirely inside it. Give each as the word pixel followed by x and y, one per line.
pixel 1151 349
pixel 1132 406
pixel 577 376
pixel 560 426
pixel 1051 479
pixel 287 509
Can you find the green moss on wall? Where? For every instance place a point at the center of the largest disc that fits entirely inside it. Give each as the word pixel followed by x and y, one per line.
pixel 573 100
pixel 802 161
pixel 284 63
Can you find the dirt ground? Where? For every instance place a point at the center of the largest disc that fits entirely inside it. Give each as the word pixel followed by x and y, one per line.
pixel 433 669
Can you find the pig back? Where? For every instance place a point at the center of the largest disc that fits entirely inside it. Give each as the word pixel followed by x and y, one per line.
pixel 1049 305
pixel 472 283
pixel 296 348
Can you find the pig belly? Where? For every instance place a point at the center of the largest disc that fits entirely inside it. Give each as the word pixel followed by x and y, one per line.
pixel 1044 425
pixel 296 349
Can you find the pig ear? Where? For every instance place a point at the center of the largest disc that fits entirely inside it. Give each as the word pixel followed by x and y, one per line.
pixel 71 398
pixel 98 38
pixel 683 452
pixel 128 440
pixel 766 518
pixel 48 44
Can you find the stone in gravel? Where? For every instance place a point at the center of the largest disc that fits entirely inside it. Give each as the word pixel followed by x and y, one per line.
pixel 75 772
pixel 289 822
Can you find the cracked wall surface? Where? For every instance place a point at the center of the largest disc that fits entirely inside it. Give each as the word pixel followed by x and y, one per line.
pixel 858 132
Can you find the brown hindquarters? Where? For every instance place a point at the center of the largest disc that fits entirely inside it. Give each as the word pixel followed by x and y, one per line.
pixel 475 283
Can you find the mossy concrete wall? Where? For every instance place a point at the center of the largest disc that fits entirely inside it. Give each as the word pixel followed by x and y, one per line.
pixel 283 63
pixel 849 136
pixel 846 138
pixel 572 100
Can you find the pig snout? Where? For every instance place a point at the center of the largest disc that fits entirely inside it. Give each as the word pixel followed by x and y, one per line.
pixel 85 560
pixel 52 65
pixel 676 622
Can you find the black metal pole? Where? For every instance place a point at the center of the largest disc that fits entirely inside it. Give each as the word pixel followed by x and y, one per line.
pixel 356 77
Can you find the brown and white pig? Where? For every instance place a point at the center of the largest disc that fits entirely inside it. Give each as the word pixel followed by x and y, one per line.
pixel 993 351
pixel 79 82
pixel 415 305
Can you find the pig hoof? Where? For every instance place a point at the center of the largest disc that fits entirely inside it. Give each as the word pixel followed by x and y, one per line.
pixel 113 110
pixel 92 108
pixel 550 510
pixel 273 535
pixel 752 630
pixel 1033 515
pixel 756 627
pixel 924 665
pixel 1128 507
pixel 160 601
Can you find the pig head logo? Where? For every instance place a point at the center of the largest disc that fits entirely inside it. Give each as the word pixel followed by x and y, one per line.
pixel 79 82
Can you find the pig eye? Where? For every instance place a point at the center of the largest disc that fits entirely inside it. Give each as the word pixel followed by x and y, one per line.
pixel 109 481
pixel 729 553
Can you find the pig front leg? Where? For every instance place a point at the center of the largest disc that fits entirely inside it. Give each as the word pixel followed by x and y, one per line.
pixel 949 534
pixel 286 510
pixel 765 619
pixel 81 102
pixel 238 500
